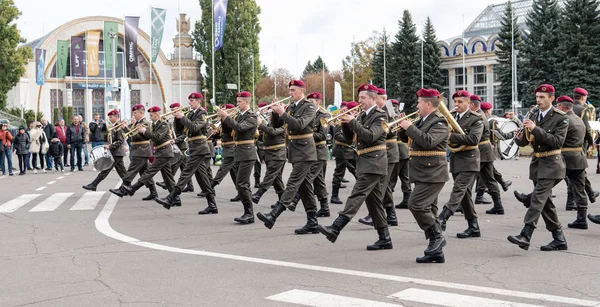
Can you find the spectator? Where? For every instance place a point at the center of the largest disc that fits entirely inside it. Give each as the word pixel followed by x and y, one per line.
pixel 21 145
pixel 86 140
pixel 49 131
pixel 5 149
pixel 56 152
pixel 75 139
pixel 38 139
pixel 61 132
pixel 97 129
pixel 28 157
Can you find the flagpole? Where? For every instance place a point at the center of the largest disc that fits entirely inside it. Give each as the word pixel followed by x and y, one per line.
pixel 150 64
pixel 179 50
pixel 213 52
pixel 384 60
pixel 422 73
pixel 239 74
pixel 275 72
pixel 323 71
pixel 105 87
pixel 86 80
pixel 353 44
pixel 253 88
pixel 464 69
pixel 70 67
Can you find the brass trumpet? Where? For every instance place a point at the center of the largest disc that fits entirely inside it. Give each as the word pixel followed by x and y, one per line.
pixel 325 122
pixel 185 111
pixel 274 103
pixel 386 126
pixel 231 112
pixel 134 130
pixel 117 125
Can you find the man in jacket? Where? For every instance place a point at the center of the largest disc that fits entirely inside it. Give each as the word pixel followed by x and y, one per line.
pixel 97 129
pixel 75 140
pixel 49 131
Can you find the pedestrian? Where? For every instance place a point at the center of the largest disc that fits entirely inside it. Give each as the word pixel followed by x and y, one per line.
pixel 86 139
pixel 5 149
pixel 56 152
pixel 21 146
pixel 28 157
pixel 75 139
pixel 37 146
pixel 61 132
pixel 49 131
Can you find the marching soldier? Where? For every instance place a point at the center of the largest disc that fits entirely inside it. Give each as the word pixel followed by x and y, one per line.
pixel 580 109
pixel 547 129
pixel 302 154
pixel 393 157
pixel 344 155
pixel 117 151
pixel 225 133
pixel 319 168
pixel 401 170
pixel 160 135
pixel 485 153
pixel 196 128
pixel 260 153
pixel 371 170
pixel 428 139
pixel 208 159
pixel 494 128
pixel 141 150
pixel 464 164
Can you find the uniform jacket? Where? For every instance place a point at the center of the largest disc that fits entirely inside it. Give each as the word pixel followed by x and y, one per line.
pixel 226 135
pixel 116 147
pixel 271 137
pixel 486 152
pixel 320 136
pixel 244 126
pixel 140 150
pixel 196 125
pixel 299 120
pixel 583 113
pixel 159 134
pixel 575 134
pixel 369 133
pixel 391 143
pixel 343 149
pixel 180 134
pixel 468 160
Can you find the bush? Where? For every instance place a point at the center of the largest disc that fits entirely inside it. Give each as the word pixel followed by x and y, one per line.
pixel 56 115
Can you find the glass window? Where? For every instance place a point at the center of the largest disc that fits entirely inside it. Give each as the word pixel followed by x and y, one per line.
pixel 445 78
pixel 479 75
pixel 481 91
pixel 459 77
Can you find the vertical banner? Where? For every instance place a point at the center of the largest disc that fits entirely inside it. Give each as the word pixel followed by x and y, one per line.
pixel 40 63
pixel 220 12
pixel 131 33
pixel 125 98
pixel 108 42
pixel 62 57
pixel 92 45
pixel 77 56
pixel 158 25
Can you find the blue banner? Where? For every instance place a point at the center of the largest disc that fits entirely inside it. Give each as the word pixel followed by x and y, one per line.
pixel 220 12
pixel 40 63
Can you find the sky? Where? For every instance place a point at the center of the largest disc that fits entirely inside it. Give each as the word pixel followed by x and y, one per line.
pixel 293 32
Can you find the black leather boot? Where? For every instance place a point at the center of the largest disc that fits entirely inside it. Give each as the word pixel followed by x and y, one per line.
pixel 176 201
pixel 270 218
pixel 404 203
pixel 189 187
pixel 170 200
pixel 153 193
pixel 436 240
pixel 444 216
pixel 391 219
pixel 256 196
pixel 523 239
pixel 471 232
pixel 591 193
pixel 459 209
pixel 558 244
pixel 201 194
pixel 213 184
pixel 505 184
pixel 367 220
pixel 162 185
pixel 130 190
pixel 311 225
pixel 324 211
pixel 92 186
pixel 248 216
pixel 332 232
pixel 571 206
pixel 121 191
pixel 344 180
pixel 498 208
pixel 594 218
pixel 235 199
pixel 434 258
pixel 525 199
pixel 257 182
pixel 335 198
pixel 212 206
pixel 480 199
pixel 580 222
pixel 384 242
pixel 295 202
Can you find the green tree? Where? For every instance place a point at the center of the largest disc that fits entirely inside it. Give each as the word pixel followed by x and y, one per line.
pixel 12 58
pixel 360 61
pixel 405 63
pixel 314 68
pixel 308 69
pixel 504 54
pixel 540 63
pixel 264 71
pixel 241 37
pixel 378 58
pixel 432 58
pixel 578 48
pixel 28 115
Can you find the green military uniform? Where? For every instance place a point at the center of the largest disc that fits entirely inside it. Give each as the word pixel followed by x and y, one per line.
pixel 141 150
pixel 260 153
pixel 486 167
pixel 345 158
pixel 319 168
pixel 275 156
pixel 227 165
pixel 576 164
pixel 118 152
pixel 582 112
pixel 401 171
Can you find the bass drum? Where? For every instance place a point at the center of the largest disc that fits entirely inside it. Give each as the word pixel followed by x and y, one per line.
pixel 507 148
pixel 101 158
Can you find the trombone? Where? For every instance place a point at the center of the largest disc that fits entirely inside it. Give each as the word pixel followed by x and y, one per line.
pixel 325 122
pixel 134 130
pixel 274 103
pixel 386 126
pixel 185 111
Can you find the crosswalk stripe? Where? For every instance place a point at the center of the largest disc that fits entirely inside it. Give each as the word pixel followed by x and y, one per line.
pixel 51 203
pixel 316 299
pixel 88 201
pixel 16 203
pixel 452 300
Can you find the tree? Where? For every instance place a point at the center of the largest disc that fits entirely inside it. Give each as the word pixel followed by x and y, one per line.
pixel 405 63
pixel 308 69
pixel 241 37
pixel 313 68
pixel 314 83
pixel 432 58
pixel 264 71
pixel 13 60
pixel 578 48
pixel 266 86
pixel 505 56
pixel 360 61
pixel 378 58
pixel 540 62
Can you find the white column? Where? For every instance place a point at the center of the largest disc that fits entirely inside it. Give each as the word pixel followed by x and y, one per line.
pixel 88 105
pixel 490 83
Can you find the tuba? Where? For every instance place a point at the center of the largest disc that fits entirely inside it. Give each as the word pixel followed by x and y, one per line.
pixel 454 126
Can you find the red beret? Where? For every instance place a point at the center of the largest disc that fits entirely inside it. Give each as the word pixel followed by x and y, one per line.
pixel 351 104
pixel 243 94
pixel 368 88
pixel 486 106
pixel 427 93
pixel 580 91
pixel 461 93
pixel 298 83
pixel 154 109
pixel 475 98
pixel 343 103
pixel 175 105
pixel 564 99
pixel 262 104
pixel 195 95
pixel 137 107
pixel 113 112
pixel 395 102
pixel 381 92
pixel 544 88
pixel 228 106
pixel 314 95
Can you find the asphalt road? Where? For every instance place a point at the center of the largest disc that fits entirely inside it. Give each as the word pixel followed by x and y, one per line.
pixel 64 246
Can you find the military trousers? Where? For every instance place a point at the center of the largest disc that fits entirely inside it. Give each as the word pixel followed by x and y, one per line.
pixel 227 166
pixel 208 171
pixel 541 204
pixel 195 165
pixel 318 171
pixel 300 182
pixel 273 176
pixel 258 163
pixel 487 179
pixel 340 170
pixel 462 194
pixel 178 163
pixel 587 185
pixel 242 182
pixel 388 197
pixel 138 165
pixel 401 172
pixel 119 165
pixel 576 185
pixel 367 189
pixel 423 203
pixel 159 165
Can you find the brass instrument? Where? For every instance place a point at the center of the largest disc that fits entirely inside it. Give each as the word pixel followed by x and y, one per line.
pixel 134 130
pixel 185 111
pixel 231 112
pixel 454 126
pixel 117 125
pixel 530 138
pixel 274 103
pixel 386 126
pixel 325 122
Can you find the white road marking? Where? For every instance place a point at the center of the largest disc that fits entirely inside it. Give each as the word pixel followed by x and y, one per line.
pixel 16 203
pixel 103 226
pixel 452 300
pixel 40 188
pixel 61 177
pixel 316 299
pixel 51 203
pixel 51 182
pixel 69 173
pixel 88 201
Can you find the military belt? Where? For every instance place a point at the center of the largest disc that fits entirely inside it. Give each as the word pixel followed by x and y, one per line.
pixel 484 142
pixel 342 144
pixel 400 142
pixel 371 149
pixel 244 142
pixel 468 148
pixel 571 149
pixel 547 153
pixel 140 143
pixel 163 145
pixel 227 143
pixel 427 153
pixel 321 143
pixel 200 137
pixel 300 136
pixel 394 140
pixel 274 147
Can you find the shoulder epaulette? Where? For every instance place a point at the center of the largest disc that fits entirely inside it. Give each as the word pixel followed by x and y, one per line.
pixel 559 111
pixel 438 114
pixel 475 113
